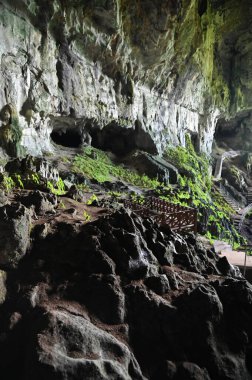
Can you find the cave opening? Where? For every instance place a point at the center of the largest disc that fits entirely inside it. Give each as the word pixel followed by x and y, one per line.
pixel 68 138
pixel 195 141
pixel 117 139
pixel 235 133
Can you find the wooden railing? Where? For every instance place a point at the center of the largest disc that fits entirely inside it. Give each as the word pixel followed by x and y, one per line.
pixel 178 218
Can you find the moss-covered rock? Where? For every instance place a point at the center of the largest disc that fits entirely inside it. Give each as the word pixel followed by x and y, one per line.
pixel 10 132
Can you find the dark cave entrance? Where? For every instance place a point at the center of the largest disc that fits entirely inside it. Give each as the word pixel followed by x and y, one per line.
pixel 195 141
pixel 235 133
pixel 117 139
pixel 68 138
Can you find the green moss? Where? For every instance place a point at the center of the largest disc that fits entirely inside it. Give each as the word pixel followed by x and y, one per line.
pixel 187 160
pixel 198 39
pixel 96 164
pixel 11 132
pixel 196 190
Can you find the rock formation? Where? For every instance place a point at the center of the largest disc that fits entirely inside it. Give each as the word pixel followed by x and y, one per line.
pixel 121 298
pixel 160 69
pixel 88 289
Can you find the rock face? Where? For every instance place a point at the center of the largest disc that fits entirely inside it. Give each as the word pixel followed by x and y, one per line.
pixel 160 69
pixel 122 298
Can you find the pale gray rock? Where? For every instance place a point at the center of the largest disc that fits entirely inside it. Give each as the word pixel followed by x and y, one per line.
pixel 102 63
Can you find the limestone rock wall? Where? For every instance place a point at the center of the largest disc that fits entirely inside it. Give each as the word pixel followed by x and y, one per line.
pixel 164 67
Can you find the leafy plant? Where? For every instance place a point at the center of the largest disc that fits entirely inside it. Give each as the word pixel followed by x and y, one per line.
pixel 86 216
pixel 8 183
pixel 136 198
pixel 62 205
pixel 115 194
pixel 83 187
pixel 58 189
pixel 92 199
pixel 194 180
pixel 35 178
pixel 18 181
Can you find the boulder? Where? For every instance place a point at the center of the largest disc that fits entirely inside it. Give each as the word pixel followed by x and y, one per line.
pixel 68 346
pixel 155 167
pixel 15 225
pixel 99 301
pixel 42 202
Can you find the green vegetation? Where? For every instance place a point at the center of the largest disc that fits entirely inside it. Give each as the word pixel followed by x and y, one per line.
pixel 86 216
pixel 115 194
pixel 136 198
pixel 195 186
pixel 83 187
pixel 58 188
pixel 7 183
pixel 96 164
pixel 93 199
pixel 62 205
pixel 35 178
pixel 31 181
pixel 196 190
pixel 18 181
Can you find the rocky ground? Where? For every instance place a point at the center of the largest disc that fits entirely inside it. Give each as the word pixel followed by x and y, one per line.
pixel 94 291
pixel 114 297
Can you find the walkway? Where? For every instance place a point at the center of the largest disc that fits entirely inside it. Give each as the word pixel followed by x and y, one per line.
pixel 178 218
pixel 235 257
pixel 224 249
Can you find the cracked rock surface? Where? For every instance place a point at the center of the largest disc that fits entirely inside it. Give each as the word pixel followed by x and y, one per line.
pixel 123 298
pixel 151 71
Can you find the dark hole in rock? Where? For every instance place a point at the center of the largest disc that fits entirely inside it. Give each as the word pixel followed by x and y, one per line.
pixel 60 74
pixel 195 142
pixel 202 7
pixel 122 140
pixel 70 139
pixel 235 133
pixel 117 139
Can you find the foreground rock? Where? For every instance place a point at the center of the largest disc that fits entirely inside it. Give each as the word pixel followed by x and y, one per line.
pixel 76 348
pixel 14 233
pixel 123 298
